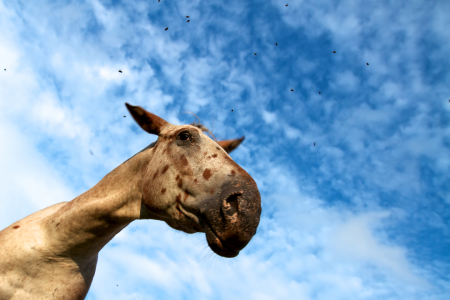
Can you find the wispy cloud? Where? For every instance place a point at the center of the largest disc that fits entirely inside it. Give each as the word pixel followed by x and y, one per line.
pixel 354 180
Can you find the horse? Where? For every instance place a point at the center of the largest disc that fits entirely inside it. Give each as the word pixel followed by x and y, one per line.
pixel 185 179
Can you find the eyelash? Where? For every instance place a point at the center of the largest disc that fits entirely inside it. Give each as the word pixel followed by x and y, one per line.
pixel 185 133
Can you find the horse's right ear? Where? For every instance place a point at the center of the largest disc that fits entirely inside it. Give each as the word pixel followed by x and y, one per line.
pixel 148 121
pixel 230 145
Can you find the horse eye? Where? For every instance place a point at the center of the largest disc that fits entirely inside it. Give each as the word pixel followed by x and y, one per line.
pixel 184 136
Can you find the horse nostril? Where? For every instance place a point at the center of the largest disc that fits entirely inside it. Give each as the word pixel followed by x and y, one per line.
pixel 231 204
pixel 233 198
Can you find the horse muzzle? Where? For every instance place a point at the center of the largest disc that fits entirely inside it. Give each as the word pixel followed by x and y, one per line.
pixel 230 218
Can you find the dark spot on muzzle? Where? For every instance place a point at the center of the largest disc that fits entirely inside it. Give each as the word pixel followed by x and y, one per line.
pixel 230 217
pixel 207 174
pixel 184 161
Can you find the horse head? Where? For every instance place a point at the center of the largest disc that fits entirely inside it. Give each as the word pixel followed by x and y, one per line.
pixel 192 184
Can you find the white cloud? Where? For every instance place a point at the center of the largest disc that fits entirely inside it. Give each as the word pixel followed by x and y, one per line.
pixel 269 117
pixel 29 183
pixel 346 80
pixel 291 132
pixel 354 240
pixel 62 85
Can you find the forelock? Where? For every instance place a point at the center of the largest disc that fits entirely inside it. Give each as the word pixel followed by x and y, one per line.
pixel 203 128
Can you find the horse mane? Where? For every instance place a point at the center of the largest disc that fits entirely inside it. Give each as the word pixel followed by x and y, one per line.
pixel 201 126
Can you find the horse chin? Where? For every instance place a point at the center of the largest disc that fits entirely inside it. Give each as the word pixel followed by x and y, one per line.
pixel 218 246
pixel 214 242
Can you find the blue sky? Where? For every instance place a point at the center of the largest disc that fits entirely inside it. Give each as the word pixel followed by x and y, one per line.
pixel 364 214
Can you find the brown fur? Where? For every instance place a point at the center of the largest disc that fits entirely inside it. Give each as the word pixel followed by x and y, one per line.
pixel 52 254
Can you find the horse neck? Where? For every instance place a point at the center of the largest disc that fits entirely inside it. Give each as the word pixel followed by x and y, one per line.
pixel 83 226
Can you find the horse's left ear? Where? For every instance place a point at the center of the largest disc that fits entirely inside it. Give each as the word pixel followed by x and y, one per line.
pixel 148 121
pixel 230 145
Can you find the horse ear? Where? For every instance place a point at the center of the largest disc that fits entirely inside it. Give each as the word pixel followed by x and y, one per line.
pixel 148 121
pixel 230 145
